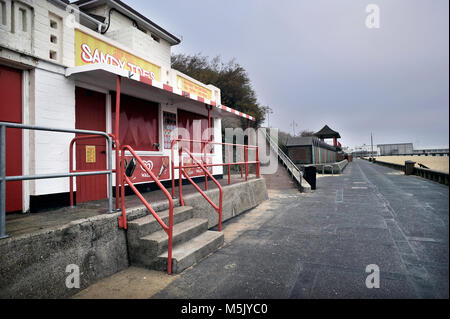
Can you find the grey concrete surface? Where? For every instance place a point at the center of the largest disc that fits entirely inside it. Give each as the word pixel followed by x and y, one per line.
pixel 33 261
pixel 317 245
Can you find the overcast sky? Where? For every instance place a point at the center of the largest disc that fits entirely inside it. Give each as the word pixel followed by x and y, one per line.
pixel 316 62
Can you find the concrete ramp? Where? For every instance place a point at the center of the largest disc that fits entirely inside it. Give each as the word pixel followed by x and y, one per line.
pixel 287 175
pixel 280 179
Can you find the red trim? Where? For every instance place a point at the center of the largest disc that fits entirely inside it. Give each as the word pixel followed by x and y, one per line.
pixel 185 94
pixel 167 88
pixel 146 80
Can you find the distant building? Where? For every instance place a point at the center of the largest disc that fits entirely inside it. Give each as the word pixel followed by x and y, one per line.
pixel 310 150
pixel 432 151
pixel 327 132
pixel 313 149
pixel 395 149
pixel 364 151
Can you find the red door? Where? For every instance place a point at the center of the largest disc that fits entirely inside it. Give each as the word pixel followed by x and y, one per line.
pixel 90 114
pixel 11 111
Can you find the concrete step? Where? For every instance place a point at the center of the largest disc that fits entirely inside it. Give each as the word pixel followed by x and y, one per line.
pixel 155 243
pixel 188 253
pixel 148 224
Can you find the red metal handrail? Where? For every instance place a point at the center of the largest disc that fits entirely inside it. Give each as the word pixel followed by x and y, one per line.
pixel 71 170
pixel 245 163
pixel 123 219
pixel 183 172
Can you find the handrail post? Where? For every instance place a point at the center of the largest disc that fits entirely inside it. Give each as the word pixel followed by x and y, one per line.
pixel 180 176
pixel 242 157
pixel 117 134
pixel 3 182
pixel 258 175
pixel 204 161
pixel 172 162
pixel 120 170
pixel 220 207
pixel 118 180
pixel 246 163
pixel 229 165
pixel 110 190
pixel 170 240
pixel 71 171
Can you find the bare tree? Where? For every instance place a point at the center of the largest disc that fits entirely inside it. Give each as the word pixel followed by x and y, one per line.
pixel 306 133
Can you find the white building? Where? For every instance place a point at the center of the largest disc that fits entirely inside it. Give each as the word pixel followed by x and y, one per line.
pixel 396 149
pixel 59 67
pixel 365 150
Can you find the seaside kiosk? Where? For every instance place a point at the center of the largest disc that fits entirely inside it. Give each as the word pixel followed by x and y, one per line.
pixel 100 66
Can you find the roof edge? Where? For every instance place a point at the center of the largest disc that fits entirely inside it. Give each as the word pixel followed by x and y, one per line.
pixel 120 5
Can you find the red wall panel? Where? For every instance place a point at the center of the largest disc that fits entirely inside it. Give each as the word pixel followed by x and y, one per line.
pixel 196 125
pixel 11 111
pixel 139 124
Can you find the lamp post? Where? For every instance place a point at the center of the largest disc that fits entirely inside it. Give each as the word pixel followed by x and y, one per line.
pixel 268 111
pixel 294 125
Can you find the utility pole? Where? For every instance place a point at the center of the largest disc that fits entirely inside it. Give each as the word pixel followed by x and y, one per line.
pixel 293 124
pixel 268 111
pixel 371 144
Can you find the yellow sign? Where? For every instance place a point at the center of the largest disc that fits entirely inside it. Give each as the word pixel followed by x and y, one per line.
pixel 191 87
pixel 90 154
pixel 90 50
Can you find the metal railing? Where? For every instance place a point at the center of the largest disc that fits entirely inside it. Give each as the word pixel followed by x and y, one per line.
pixel 123 219
pixel 71 170
pixel 204 167
pixel 436 176
pixel 433 175
pixel 292 169
pixel 182 172
pixel 246 162
pixel 4 178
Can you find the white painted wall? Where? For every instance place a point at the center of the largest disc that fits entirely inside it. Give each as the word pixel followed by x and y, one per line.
pixel 34 37
pixel 138 42
pixel 54 106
